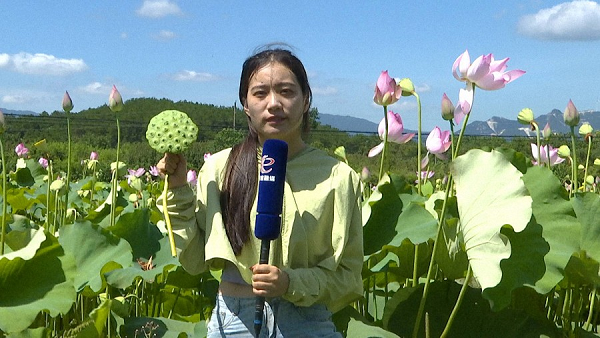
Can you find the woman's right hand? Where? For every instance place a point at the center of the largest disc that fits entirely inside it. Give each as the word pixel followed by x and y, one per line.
pixel 175 166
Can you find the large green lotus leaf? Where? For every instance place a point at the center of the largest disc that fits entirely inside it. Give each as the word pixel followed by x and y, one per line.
pixel 393 213
pixel 474 318
pixel 358 329
pixel 587 208
pixel 19 199
pixel 553 211
pixel 583 270
pixel 524 267
pixel 162 262
pixel 160 327
pixel 38 277
pixel 40 332
pixel 490 194
pixel 96 251
pixel 135 228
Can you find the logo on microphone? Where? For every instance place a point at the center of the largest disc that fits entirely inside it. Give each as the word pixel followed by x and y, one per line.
pixel 266 164
pixel 266 167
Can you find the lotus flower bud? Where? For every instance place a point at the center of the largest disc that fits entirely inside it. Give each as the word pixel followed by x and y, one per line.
pixel 564 151
pixel 115 101
pixel 192 177
pixel 590 180
pixel 447 108
pixel 67 104
pixel 43 162
pixel 133 198
pixel 585 129
pixel 341 152
pixel 365 174
pixel 171 131
pixel 571 115
pixel 408 88
pixel 525 116
pixel 57 185
pixel 580 167
pixel 546 132
pixel 94 156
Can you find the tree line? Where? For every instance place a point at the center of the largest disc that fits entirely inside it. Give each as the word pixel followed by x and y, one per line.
pixel 219 127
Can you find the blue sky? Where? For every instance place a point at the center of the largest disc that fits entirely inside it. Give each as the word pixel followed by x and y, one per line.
pixel 193 50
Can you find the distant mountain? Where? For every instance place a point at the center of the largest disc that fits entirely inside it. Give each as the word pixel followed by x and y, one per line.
pixel 348 123
pixel 499 126
pixel 17 112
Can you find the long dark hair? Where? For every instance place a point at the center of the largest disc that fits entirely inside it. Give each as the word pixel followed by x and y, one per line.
pixel 241 171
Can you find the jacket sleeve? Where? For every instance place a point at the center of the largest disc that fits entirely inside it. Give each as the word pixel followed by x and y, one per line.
pixel 335 281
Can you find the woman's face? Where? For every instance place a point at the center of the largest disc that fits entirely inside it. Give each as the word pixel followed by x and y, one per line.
pixel 275 104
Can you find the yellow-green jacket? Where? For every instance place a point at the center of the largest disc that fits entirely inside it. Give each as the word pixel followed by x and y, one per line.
pixel 320 246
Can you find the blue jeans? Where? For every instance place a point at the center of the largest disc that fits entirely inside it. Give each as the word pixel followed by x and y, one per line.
pixel 234 317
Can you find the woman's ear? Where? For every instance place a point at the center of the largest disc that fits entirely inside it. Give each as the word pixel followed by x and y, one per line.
pixel 245 106
pixel 306 104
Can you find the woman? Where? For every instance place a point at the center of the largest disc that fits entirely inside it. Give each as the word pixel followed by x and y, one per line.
pixel 315 266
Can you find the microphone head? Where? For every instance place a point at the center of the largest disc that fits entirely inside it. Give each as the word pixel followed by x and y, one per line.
pixel 270 189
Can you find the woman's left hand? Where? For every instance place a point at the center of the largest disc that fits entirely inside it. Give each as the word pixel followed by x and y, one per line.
pixel 269 280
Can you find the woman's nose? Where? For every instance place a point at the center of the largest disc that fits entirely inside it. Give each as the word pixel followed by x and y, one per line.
pixel 274 101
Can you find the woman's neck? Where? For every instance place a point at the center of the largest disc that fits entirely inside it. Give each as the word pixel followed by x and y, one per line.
pixel 294 147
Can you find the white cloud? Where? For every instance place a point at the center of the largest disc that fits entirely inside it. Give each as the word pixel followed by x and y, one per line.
pixel 165 35
pixel 96 88
pixel 158 9
pixel 15 99
pixel 27 96
pixel 325 91
pixel 124 36
pixel 423 88
pixel 41 64
pixel 576 20
pixel 4 60
pixel 190 75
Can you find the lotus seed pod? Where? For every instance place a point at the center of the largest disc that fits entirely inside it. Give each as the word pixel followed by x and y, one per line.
pixel 171 131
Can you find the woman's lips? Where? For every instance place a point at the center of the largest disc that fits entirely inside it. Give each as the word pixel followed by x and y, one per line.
pixel 274 119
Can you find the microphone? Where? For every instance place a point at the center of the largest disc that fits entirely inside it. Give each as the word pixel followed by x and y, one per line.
pixel 268 208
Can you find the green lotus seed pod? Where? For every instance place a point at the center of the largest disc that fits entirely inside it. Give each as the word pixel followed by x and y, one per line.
pixel 167 132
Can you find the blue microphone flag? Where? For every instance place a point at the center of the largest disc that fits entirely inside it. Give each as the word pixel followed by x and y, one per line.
pixel 270 189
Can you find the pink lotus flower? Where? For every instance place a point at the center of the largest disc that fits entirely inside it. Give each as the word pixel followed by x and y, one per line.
pixel 115 101
pixel 395 132
pixel 153 171
pixel 387 91
pixel 438 142
pixel 21 150
pixel 426 174
pixel 192 178
pixel 485 72
pixel 554 158
pixel 43 162
pixel 134 174
pixel 94 156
